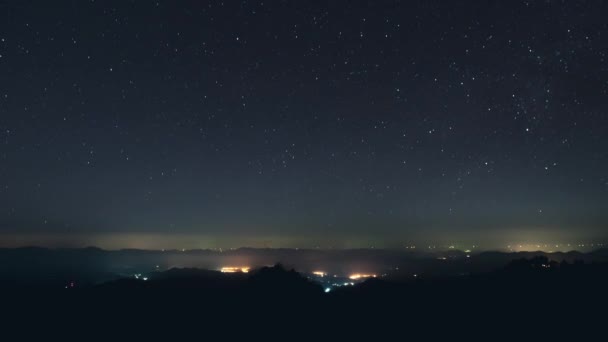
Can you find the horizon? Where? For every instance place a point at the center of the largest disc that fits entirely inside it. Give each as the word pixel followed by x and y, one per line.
pixel 188 243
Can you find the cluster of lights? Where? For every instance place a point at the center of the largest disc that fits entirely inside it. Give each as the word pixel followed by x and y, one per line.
pixel 138 276
pixel 235 269
pixel 319 274
pixel 435 247
pixel 551 248
pixel 327 289
pixel 511 247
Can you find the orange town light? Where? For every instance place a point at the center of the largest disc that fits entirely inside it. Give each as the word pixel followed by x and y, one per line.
pixel 243 269
pixel 360 276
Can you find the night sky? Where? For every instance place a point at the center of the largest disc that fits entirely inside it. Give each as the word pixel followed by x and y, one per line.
pixel 302 123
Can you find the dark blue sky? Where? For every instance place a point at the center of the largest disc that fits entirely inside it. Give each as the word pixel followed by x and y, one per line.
pixel 312 122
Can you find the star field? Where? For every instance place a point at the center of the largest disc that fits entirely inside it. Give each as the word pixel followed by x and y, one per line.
pixel 371 121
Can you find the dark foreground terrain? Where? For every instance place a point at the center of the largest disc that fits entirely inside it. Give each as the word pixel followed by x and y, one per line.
pixel 526 298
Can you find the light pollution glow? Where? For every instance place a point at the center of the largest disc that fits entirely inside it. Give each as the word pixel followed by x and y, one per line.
pixel 162 241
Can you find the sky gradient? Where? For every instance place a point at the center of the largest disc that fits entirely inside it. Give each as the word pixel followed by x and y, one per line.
pixel 286 123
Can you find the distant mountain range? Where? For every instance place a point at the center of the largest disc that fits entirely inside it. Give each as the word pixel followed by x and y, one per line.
pixel 56 267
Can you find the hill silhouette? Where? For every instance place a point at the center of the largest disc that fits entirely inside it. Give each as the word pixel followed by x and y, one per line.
pixel 535 292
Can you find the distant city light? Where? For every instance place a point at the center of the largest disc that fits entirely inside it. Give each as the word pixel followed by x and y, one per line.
pixel 319 273
pixel 360 276
pixel 327 289
pixel 231 269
